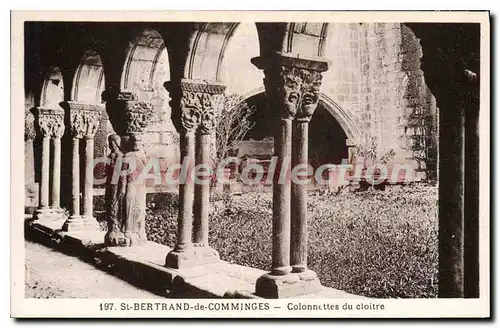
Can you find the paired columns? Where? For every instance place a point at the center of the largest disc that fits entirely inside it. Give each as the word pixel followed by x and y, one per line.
pixel 84 122
pixel 292 89
pixel 51 125
pixel 193 105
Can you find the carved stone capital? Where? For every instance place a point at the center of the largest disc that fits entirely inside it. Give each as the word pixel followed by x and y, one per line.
pixel 51 122
pixel 196 101
pixel 128 114
pixel 84 119
pixel 294 82
pixel 29 126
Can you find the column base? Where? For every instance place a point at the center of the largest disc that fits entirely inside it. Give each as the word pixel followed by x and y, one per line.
pixel 191 257
pixel 289 285
pixel 80 223
pixel 49 214
pixel 124 239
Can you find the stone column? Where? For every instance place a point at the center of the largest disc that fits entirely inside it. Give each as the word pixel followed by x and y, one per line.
pixel 298 252
pixel 193 105
pixel 75 172
pixel 201 192
pixel 51 124
pixel 186 193
pixel 45 167
pixel 56 172
pixel 84 122
pixel 456 89
pixel 31 192
pixel 292 88
pixel 310 78
pixel 129 117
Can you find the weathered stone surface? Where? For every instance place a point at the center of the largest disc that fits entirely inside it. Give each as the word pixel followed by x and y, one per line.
pixel 84 118
pixel 29 126
pixel 128 114
pixel 287 286
pixel 191 257
pixel 113 194
pixel 51 122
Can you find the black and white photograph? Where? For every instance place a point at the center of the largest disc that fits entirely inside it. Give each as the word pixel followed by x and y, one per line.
pixel 283 164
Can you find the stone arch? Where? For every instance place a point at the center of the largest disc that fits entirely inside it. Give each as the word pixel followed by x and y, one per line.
pixel 146 66
pixel 306 39
pixel 52 88
pixel 145 70
pixel 88 82
pixel 207 49
pixel 241 48
pixel 209 42
pixel 341 115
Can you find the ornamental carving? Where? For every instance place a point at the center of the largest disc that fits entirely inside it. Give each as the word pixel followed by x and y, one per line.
pixel 51 122
pixel 197 105
pixel 128 115
pixel 84 119
pixel 297 90
pixel 29 126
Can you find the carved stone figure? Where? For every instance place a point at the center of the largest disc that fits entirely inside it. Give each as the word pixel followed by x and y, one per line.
pixel 114 194
pixel 310 89
pixel 133 210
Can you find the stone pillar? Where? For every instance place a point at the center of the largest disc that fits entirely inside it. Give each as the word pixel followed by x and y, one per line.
pixel 186 193
pixel 56 173
pixel 456 89
pixel 202 192
pixel 281 200
pixel 75 172
pixel 45 167
pixel 292 88
pixel 31 191
pixel 84 122
pixel 88 192
pixel 471 206
pixel 193 113
pixel 129 117
pixel 298 252
pixel 51 124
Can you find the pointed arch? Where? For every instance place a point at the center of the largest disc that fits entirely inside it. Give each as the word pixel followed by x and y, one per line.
pixel 340 114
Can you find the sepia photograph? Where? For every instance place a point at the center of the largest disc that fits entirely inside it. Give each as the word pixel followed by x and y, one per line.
pixel 284 164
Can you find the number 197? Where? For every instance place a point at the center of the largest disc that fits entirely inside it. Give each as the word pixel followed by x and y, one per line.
pixel 106 306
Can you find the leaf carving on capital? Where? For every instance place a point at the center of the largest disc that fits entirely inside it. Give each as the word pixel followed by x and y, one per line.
pixel 138 115
pixel 127 114
pixel 29 126
pixel 84 123
pixel 197 111
pixel 51 123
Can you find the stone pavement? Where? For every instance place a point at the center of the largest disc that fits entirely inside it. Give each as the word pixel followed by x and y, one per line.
pixel 52 274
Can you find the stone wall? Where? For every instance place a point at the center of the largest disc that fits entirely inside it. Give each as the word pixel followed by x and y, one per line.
pixel 376 78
